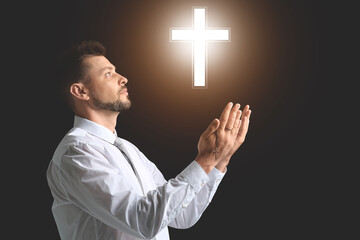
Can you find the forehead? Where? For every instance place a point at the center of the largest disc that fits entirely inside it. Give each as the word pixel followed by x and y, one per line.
pixel 97 63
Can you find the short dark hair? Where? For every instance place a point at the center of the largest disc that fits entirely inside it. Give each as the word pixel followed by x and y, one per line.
pixel 71 68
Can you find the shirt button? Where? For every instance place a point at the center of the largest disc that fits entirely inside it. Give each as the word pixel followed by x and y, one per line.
pixel 184 205
pixel 217 180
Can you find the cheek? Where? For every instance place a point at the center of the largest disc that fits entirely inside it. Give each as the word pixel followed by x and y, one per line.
pixel 107 90
pixel 111 93
pixel 100 93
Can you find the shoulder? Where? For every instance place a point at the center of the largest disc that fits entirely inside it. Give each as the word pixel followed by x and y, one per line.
pixel 77 142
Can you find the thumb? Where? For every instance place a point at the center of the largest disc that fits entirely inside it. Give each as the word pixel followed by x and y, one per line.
pixel 214 125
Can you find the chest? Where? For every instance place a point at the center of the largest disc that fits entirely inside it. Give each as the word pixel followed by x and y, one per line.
pixel 139 178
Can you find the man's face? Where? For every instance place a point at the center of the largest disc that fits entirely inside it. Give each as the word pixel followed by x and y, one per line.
pixel 107 89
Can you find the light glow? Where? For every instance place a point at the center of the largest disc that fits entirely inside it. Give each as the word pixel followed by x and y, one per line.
pixel 199 36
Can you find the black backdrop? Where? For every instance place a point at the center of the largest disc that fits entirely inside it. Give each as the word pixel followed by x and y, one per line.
pixel 277 62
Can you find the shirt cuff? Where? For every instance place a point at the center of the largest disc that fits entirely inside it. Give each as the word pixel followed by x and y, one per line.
pixel 195 175
pixel 215 178
pixel 217 174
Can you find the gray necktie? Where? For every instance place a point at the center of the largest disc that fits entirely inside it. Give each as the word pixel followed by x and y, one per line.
pixel 118 143
pixel 124 152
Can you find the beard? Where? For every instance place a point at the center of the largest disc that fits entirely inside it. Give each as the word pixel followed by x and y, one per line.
pixel 116 106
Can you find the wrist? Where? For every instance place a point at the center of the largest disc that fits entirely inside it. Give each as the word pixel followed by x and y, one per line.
pixel 222 165
pixel 206 163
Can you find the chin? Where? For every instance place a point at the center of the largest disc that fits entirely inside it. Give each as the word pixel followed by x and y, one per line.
pixel 126 104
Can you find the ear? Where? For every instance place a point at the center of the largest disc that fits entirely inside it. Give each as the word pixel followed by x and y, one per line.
pixel 79 91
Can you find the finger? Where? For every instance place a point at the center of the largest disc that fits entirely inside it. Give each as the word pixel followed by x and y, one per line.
pixel 237 121
pixel 232 117
pixel 244 125
pixel 225 115
pixel 243 128
pixel 239 117
pixel 245 111
pixel 214 125
pixel 248 117
pixel 236 128
pixel 247 114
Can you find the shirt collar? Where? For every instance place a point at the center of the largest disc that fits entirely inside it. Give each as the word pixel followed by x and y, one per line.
pixel 95 129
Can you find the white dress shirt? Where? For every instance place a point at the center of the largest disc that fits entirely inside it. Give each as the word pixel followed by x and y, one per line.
pixel 97 194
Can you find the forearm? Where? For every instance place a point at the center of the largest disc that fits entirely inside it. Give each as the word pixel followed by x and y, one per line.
pixel 189 216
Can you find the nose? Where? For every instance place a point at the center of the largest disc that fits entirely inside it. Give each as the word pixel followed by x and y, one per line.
pixel 122 80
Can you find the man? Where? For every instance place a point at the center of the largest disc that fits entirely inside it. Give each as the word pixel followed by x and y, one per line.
pixel 103 186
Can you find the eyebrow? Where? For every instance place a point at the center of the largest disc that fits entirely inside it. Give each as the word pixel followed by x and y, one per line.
pixel 107 68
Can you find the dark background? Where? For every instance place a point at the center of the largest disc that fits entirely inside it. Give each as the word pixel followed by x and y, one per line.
pixel 280 61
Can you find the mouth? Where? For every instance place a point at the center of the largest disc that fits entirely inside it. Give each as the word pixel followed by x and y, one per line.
pixel 124 91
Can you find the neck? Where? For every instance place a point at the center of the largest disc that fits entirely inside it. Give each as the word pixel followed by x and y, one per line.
pixel 105 118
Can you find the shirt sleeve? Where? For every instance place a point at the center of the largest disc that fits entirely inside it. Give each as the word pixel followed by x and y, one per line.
pixel 98 188
pixel 194 207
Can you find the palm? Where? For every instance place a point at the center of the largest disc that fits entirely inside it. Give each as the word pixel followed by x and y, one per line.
pixel 224 136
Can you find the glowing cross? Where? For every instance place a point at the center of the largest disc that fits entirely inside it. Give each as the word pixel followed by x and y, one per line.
pixel 199 36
